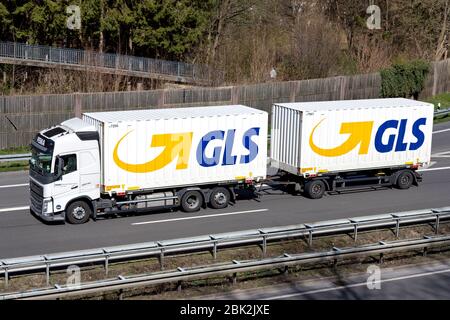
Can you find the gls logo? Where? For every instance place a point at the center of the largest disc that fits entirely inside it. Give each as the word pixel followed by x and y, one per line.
pixel 361 134
pixel 178 145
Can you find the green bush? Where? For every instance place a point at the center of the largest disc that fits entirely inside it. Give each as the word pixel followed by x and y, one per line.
pixel 404 79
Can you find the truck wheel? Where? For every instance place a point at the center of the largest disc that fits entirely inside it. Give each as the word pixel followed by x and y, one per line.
pixel 191 201
pixel 315 189
pixel 220 197
pixel 78 212
pixel 404 180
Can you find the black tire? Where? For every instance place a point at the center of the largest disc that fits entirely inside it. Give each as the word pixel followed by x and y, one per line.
pixel 404 180
pixel 315 189
pixel 191 201
pixel 78 212
pixel 219 198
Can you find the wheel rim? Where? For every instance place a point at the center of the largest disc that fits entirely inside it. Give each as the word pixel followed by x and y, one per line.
pixel 79 213
pixel 192 201
pixel 405 179
pixel 316 189
pixel 220 198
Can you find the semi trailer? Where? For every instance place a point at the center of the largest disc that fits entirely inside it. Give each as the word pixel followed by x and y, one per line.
pixel 122 161
pixel 334 146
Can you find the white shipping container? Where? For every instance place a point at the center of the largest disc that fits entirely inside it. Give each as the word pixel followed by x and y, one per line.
pixel 164 148
pixel 337 136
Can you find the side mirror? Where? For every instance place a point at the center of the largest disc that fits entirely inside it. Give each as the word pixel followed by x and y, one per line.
pixel 59 168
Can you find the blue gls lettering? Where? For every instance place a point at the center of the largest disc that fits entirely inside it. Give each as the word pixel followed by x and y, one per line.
pixel 202 159
pixel 250 145
pixel 229 159
pixel 383 148
pixel 420 136
pixel 401 146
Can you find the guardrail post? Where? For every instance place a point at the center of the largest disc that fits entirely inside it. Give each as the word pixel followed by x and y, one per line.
pixel 286 270
pixel 161 259
pixel 47 271
pixel 214 250
pixel 310 231
pixel 264 246
pixel 120 294
pixel 106 262
pixel 310 239
pixel 6 277
pixel 436 228
pixel 397 228
pixel 355 232
pixel 234 277
pixel 335 260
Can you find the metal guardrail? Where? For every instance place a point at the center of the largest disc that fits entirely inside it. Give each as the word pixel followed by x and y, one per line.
pixel 15 157
pixel 84 58
pixel 214 242
pixel 441 112
pixel 234 267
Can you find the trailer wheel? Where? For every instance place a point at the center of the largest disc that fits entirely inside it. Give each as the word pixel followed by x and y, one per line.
pixel 78 212
pixel 220 197
pixel 191 201
pixel 315 189
pixel 405 180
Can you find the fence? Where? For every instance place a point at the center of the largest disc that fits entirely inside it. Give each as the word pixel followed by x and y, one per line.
pixel 45 56
pixel 22 116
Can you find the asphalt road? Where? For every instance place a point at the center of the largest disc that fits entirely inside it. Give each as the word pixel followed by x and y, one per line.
pixel 420 282
pixel 21 234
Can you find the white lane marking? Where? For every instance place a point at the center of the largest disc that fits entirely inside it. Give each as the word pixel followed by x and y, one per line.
pixel 432 163
pixel 419 275
pixel 200 217
pixel 434 169
pixel 15 185
pixel 14 209
pixel 445 154
pixel 440 131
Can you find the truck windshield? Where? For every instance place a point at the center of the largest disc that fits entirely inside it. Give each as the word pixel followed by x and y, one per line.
pixel 41 161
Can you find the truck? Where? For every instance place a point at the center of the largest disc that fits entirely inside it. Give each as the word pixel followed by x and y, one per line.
pixel 142 160
pixel 336 146
pixel 116 162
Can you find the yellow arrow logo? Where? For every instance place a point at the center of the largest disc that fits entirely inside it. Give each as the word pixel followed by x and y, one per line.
pixel 360 134
pixel 175 145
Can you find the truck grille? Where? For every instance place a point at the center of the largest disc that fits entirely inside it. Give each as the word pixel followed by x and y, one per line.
pixel 36 197
pixel 36 202
pixel 36 188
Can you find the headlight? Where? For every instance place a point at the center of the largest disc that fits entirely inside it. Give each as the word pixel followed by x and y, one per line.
pixel 46 205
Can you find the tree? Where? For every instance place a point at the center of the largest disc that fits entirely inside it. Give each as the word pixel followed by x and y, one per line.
pixel 169 28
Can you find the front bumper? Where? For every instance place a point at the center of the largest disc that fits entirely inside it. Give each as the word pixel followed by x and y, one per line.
pixel 51 216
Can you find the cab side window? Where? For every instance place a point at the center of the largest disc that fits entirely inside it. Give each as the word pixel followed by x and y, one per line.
pixel 70 163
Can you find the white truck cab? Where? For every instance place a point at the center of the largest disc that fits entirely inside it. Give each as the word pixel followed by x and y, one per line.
pixel 64 166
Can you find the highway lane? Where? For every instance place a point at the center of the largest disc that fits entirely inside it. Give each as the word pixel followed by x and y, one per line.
pixel 13 189
pixel 22 234
pixel 428 281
